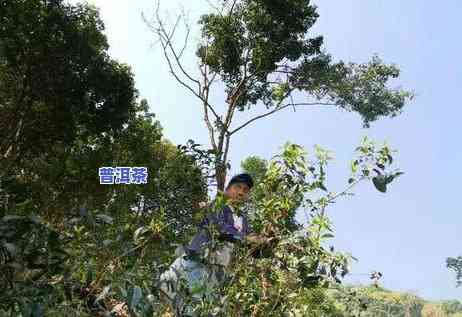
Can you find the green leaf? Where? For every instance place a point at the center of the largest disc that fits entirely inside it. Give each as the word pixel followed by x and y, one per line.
pixel 89 276
pixel 354 166
pixel 390 178
pixel 390 158
pixel 397 174
pixel 380 183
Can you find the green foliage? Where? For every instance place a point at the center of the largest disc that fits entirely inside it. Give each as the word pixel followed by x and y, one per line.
pixel 256 167
pixel 68 245
pixel 262 53
pixel 372 301
pixel 377 301
pixel 72 247
pixel 119 233
pixel 264 45
pixel 372 165
pixel 455 264
pixel 248 36
pixel 361 88
pixel 56 78
pixel 32 254
pixel 295 264
pixel 452 306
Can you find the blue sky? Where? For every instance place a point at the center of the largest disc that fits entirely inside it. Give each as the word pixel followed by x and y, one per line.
pixel 408 232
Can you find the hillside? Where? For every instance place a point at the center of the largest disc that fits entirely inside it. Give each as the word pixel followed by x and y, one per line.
pixel 371 301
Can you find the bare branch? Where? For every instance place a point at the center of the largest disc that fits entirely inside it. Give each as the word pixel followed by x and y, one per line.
pixel 227 141
pixel 213 78
pixel 207 121
pixel 165 38
pixel 279 109
pixel 220 11
pixel 345 191
pixel 210 127
pixel 292 102
pixel 186 39
pixel 164 46
pixel 172 32
pixel 161 31
pixel 232 7
pixel 186 85
pixel 205 95
pixel 232 101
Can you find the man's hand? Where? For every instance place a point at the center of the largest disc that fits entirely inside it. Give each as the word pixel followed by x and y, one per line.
pixel 256 239
pixel 260 246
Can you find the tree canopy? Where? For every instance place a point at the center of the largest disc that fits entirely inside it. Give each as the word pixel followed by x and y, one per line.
pixel 57 80
pixel 67 108
pixel 264 55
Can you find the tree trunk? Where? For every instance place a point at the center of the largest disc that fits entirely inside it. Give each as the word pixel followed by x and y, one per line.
pixel 220 172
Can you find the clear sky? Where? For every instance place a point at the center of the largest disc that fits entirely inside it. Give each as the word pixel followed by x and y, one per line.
pixel 408 232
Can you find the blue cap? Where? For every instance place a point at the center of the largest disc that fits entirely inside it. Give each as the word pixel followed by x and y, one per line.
pixel 242 178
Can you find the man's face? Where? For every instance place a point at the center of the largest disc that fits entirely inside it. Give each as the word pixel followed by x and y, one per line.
pixel 238 192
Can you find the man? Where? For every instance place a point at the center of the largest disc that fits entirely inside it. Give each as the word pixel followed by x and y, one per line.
pixel 200 276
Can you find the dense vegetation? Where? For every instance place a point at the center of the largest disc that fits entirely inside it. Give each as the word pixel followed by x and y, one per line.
pixel 70 246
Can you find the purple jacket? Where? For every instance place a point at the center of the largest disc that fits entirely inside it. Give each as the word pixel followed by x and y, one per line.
pixel 225 224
